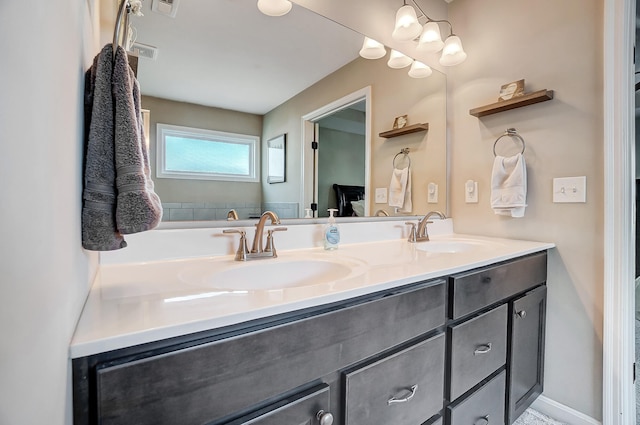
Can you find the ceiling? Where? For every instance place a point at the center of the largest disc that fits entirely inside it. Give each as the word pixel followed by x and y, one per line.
pixel 225 53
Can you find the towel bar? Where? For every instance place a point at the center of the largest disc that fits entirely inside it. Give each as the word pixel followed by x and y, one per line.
pixel 405 152
pixel 511 132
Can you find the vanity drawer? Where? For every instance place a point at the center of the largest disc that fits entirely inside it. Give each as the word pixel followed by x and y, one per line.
pixel 208 382
pixel 478 348
pixel 484 407
pixel 301 409
pixel 405 388
pixel 480 288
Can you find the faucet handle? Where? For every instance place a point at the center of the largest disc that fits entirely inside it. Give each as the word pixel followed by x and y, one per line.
pixel 243 250
pixel 412 231
pixel 269 246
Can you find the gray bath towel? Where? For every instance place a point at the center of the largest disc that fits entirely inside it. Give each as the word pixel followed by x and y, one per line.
pixel 99 230
pixel 118 191
pixel 138 208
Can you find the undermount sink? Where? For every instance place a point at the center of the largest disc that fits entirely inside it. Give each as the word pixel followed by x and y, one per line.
pixel 449 246
pixel 269 274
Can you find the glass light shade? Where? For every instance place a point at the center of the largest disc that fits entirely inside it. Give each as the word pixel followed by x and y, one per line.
pixel 430 40
pixel 372 49
pixel 419 70
pixel 274 7
pixel 407 25
pixel 452 52
pixel 397 60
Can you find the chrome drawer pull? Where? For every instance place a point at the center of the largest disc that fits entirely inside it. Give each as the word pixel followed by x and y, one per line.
pixel 483 349
pixel 482 421
pixel 324 418
pixel 521 314
pixel 403 399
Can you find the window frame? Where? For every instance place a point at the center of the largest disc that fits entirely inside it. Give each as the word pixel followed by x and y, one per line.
pixel 164 130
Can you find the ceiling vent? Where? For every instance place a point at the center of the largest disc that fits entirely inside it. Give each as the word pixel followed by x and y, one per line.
pixel 165 7
pixel 145 51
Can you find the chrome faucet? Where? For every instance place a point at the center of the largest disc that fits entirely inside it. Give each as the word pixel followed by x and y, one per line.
pixel 257 249
pixel 419 233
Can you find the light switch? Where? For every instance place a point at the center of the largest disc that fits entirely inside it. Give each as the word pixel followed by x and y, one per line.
pixel 381 195
pixel 471 192
pixel 432 193
pixel 570 189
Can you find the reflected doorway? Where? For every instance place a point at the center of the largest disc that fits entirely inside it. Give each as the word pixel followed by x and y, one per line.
pixel 336 150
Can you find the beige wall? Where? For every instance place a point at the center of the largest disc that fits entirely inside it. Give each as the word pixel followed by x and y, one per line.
pixel 553 45
pixel 197 116
pixel 45 273
pixel 394 93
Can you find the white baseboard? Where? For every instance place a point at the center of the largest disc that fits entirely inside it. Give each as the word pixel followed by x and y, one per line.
pixel 562 413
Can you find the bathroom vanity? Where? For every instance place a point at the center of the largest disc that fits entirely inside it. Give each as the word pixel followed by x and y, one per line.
pixel 463 346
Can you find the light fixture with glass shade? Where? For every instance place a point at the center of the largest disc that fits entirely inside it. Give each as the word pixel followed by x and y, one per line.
pixel 407 26
pixel 419 70
pixel 430 40
pixel 452 52
pixel 274 7
pixel 371 49
pixel 398 60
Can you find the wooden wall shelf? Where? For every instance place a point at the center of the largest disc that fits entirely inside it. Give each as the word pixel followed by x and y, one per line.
pixel 405 130
pixel 516 102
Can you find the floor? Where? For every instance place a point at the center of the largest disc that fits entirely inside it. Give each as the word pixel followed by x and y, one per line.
pixel 533 417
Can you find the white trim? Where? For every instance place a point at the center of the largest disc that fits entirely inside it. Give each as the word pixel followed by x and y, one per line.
pixel 619 227
pixel 252 142
pixel 562 413
pixel 306 189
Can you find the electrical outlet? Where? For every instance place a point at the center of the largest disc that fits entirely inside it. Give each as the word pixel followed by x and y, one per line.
pixel 471 192
pixel 381 195
pixel 432 193
pixel 570 189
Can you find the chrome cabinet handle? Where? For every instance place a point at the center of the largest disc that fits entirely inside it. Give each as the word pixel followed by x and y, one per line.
pixel 482 421
pixel 403 399
pixel 324 418
pixel 483 349
pixel 521 314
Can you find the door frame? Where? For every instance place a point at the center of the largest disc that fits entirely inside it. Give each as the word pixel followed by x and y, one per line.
pixel 619 205
pixel 308 166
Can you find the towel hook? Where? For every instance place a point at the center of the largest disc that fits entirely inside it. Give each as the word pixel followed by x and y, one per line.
pixel 511 132
pixel 405 152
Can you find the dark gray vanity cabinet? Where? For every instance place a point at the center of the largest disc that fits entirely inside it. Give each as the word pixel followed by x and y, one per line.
pixel 496 341
pixel 222 377
pixel 459 350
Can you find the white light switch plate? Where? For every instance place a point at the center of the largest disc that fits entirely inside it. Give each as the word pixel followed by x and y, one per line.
pixel 471 192
pixel 381 195
pixel 570 189
pixel 432 193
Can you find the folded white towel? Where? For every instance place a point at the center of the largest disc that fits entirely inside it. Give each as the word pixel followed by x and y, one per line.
pixel 400 189
pixel 509 185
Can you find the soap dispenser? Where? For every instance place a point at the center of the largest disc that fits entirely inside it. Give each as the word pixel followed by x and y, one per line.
pixel 331 232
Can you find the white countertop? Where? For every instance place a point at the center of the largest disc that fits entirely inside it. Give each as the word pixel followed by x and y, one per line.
pixel 141 302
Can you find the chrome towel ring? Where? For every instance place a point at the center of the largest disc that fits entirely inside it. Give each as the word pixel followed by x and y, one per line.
pixel 405 152
pixel 511 132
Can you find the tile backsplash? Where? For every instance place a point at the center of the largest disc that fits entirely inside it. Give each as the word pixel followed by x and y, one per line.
pixel 205 211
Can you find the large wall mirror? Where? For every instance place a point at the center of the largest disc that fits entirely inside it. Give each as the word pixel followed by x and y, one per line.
pixel 226 67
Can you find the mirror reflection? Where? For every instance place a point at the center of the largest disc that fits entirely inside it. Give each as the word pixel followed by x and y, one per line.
pixel 226 67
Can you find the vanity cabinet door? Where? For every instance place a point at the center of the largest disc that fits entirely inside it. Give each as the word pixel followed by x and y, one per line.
pixel 526 366
pixel 303 409
pixel 405 388
pixel 472 291
pixel 485 406
pixel 478 348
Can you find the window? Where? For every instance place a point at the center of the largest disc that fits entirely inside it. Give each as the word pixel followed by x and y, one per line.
pixel 193 153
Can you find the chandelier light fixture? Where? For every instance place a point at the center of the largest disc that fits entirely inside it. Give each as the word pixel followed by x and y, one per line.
pixel 398 60
pixel 371 49
pixel 407 26
pixel 419 70
pixel 274 7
